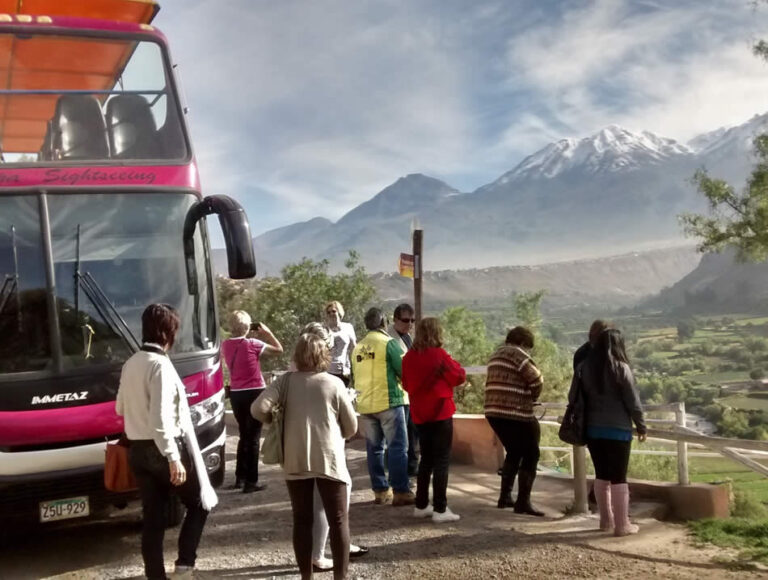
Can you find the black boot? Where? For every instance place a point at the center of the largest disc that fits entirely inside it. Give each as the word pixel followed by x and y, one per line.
pixel 238 483
pixel 524 487
pixel 507 481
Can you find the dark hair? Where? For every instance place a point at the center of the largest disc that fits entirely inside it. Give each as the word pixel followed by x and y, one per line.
pixel 159 324
pixel 403 308
pixel 429 333
pixel 520 336
pixel 595 329
pixel 374 319
pixel 606 356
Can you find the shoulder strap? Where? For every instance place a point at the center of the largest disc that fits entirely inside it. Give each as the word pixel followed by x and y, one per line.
pixel 285 380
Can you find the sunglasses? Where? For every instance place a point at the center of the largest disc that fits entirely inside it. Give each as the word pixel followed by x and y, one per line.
pixel 331 312
pixel 409 320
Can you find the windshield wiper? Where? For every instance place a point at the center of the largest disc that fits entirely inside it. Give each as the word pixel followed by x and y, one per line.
pixel 101 302
pixel 11 283
pixel 106 309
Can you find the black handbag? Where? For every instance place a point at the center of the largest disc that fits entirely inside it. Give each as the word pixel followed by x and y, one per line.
pixel 573 428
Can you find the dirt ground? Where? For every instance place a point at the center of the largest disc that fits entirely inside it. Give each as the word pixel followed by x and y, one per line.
pixel 249 536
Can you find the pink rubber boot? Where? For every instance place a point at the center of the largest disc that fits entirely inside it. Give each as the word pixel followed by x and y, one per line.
pixel 620 503
pixel 603 496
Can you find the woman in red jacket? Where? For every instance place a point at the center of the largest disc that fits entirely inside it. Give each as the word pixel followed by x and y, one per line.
pixel 429 377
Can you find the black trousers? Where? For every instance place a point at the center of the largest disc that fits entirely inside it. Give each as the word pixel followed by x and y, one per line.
pixel 154 478
pixel 611 458
pixel 334 496
pixel 247 465
pixel 413 442
pixel 521 443
pixel 436 439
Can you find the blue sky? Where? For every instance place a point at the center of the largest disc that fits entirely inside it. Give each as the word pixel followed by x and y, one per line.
pixel 302 108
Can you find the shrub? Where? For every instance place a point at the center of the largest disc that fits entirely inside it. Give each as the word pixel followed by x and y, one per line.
pixel 746 505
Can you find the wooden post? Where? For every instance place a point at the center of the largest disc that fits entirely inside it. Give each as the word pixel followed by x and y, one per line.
pixel 418 236
pixel 682 448
pixel 580 504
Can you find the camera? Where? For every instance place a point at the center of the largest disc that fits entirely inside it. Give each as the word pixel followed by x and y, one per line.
pixel 255 326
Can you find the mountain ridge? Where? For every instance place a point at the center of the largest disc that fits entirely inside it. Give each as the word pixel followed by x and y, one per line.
pixel 612 192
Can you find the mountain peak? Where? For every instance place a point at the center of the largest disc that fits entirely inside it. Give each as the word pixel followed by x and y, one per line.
pixel 714 142
pixel 410 194
pixel 611 149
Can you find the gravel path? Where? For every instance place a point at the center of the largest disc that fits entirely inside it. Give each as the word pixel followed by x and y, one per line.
pixel 249 536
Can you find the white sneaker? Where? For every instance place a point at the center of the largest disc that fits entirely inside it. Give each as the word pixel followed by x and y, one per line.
pixel 323 564
pixel 446 516
pixel 425 513
pixel 183 572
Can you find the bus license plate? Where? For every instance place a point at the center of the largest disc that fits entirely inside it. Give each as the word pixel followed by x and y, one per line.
pixel 64 509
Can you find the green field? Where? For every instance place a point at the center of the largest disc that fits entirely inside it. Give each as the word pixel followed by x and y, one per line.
pixel 753 320
pixel 716 469
pixel 746 402
pixel 719 377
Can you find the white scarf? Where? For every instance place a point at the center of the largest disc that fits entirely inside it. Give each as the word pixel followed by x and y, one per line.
pixel 208 497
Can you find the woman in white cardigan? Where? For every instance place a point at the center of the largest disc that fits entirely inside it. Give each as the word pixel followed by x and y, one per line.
pixel 318 417
pixel 163 454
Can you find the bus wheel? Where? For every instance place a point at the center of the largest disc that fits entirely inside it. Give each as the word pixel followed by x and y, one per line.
pixel 175 512
pixel 217 477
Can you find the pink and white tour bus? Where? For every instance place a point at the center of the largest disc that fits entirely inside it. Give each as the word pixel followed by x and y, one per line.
pixel 101 214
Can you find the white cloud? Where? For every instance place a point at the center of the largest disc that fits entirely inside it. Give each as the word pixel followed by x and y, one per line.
pixel 305 108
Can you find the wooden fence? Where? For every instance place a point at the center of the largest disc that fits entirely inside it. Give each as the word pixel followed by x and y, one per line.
pixel 741 450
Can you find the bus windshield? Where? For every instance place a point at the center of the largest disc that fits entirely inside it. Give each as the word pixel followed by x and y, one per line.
pixel 111 255
pixel 67 98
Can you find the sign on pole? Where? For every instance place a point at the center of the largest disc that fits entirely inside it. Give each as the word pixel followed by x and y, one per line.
pixel 406 266
pixel 418 237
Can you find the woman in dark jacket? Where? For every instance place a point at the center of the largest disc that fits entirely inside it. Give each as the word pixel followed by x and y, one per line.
pixel 612 405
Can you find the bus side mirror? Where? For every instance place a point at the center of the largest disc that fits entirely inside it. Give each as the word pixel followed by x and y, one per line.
pixel 237 237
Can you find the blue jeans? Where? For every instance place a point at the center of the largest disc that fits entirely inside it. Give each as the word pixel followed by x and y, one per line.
pixel 389 426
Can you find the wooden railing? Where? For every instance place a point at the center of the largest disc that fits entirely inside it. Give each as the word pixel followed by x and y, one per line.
pixel 740 450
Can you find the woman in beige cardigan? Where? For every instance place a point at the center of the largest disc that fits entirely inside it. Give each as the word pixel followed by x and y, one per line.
pixel 318 418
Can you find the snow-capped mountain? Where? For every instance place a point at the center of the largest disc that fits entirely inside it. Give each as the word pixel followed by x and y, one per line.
pixel 739 137
pixel 610 150
pixel 703 141
pixel 612 192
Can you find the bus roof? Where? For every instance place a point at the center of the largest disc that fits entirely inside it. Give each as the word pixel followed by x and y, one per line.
pixel 60 61
pixel 136 11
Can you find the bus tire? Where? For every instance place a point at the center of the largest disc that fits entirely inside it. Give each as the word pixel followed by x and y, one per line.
pixel 217 477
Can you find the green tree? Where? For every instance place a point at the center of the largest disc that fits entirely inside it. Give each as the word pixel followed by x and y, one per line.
pixel 464 326
pixel 554 363
pixel 465 336
pixel 527 308
pixel 685 330
pixel 736 219
pixel 297 297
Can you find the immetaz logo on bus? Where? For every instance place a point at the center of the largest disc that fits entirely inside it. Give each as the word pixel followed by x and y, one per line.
pixel 60 398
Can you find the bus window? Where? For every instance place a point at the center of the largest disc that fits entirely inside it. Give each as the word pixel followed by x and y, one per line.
pixel 24 330
pixel 130 246
pixel 77 98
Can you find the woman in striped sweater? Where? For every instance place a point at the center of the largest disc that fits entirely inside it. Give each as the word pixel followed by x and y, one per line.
pixel 512 386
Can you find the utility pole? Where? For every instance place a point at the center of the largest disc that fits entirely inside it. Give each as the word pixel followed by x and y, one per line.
pixel 418 237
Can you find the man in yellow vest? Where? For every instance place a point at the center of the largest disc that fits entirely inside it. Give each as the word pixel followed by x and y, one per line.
pixel 376 372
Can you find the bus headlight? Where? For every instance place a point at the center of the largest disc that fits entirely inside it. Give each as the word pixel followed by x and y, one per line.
pixel 207 410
